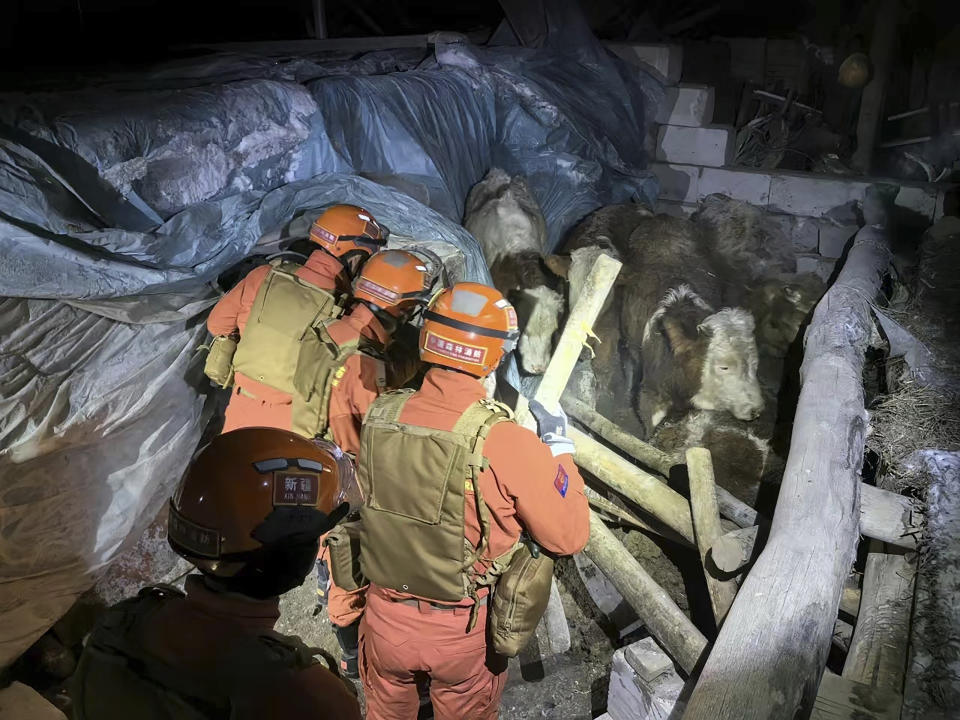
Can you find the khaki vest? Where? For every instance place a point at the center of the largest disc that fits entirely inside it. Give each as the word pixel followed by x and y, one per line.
pixel 117 678
pixel 283 313
pixel 414 481
pixel 319 368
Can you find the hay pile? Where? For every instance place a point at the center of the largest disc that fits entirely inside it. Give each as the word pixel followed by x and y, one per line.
pixel 914 417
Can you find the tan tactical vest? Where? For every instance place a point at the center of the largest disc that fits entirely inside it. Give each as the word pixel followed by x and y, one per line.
pixel 117 679
pixel 283 313
pixel 319 368
pixel 414 481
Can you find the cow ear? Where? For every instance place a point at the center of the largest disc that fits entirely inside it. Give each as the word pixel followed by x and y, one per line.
pixel 559 265
pixel 677 336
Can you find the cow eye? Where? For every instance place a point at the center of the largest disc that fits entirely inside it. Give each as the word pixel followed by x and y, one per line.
pixel 723 368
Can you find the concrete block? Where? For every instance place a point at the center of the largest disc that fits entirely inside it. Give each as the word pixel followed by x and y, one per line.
pixel 804 233
pixel 665 62
pixel 22 702
pixel 689 105
pixel 750 186
pixel 817 195
pixel 711 146
pixel 676 209
pixel 834 238
pixel 630 697
pixel 679 183
pixel 647 659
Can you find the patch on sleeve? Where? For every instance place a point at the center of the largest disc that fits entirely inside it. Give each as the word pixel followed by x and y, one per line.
pixel 562 481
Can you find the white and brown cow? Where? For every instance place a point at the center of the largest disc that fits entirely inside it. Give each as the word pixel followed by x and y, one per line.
pixel 506 220
pixel 665 327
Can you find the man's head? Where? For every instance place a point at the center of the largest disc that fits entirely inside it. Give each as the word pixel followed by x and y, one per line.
pixel 348 233
pixel 468 327
pixel 253 504
pixel 393 282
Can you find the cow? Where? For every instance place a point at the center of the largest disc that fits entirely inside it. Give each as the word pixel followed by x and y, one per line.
pixel 780 306
pixel 666 328
pixel 504 217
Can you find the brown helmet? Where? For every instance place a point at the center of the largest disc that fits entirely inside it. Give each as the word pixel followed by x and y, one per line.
pixel 393 280
pixel 253 504
pixel 345 231
pixel 468 327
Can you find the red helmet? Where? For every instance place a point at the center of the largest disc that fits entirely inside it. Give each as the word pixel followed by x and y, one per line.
pixel 254 491
pixel 393 280
pixel 344 230
pixel 468 327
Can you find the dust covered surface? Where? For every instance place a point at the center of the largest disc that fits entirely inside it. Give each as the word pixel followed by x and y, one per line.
pixel 932 688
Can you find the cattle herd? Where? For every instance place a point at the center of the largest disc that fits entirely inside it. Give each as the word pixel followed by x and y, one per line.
pixel 699 340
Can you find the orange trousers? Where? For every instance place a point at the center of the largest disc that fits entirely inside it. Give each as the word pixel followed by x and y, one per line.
pixel 344 607
pixel 244 411
pixel 399 639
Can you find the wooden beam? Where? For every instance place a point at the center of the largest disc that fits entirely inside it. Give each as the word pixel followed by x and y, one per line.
pixel 871 100
pixel 768 658
pixel 665 621
pixel 641 488
pixel 595 290
pixel 878 651
pixel 889 517
pixel 706 525
pixel 731 507
pixel 840 698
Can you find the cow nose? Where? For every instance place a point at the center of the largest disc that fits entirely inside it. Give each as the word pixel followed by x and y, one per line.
pixel 748 412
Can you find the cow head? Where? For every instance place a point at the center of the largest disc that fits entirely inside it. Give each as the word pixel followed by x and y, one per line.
pixel 538 312
pixel 728 373
pixel 780 306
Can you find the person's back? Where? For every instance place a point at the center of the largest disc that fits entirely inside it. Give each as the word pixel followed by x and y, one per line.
pixel 248 514
pixel 203 655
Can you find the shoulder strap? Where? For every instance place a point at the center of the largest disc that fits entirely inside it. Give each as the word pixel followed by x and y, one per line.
pixel 387 408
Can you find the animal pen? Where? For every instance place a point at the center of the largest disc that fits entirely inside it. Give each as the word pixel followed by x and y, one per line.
pixel 800 561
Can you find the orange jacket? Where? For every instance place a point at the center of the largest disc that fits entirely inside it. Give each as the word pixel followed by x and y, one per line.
pixel 352 395
pixel 524 486
pixel 230 314
pixel 191 633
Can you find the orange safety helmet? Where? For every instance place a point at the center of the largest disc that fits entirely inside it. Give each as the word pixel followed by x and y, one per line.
pixel 468 327
pixel 393 280
pixel 345 230
pixel 253 504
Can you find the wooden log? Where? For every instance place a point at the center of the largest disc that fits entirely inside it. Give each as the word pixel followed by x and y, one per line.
pixel 706 526
pixel 878 651
pixel 731 552
pixel 889 517
pixel 595 290
pixel 665 621
pixel 842 699
pixel 643 489
pixel 647 454
pixel 616 513
pixel 731 507
pixel 771 651
pixel 871 100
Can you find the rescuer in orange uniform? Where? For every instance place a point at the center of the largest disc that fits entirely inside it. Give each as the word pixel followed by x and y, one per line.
pixel 349 370
pixel 248 514
pixel 521 483
pixel 272 307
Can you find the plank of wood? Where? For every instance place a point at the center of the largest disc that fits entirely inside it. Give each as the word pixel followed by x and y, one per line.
pixel 771 651
pixel 840 698
pixel 878 651
pixel 889 517
pixel 665 621
pixel 706 525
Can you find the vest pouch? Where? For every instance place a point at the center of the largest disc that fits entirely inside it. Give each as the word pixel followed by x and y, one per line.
pixel 519 601
pixel 428 517
pixel 219 364
pixel 343 552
